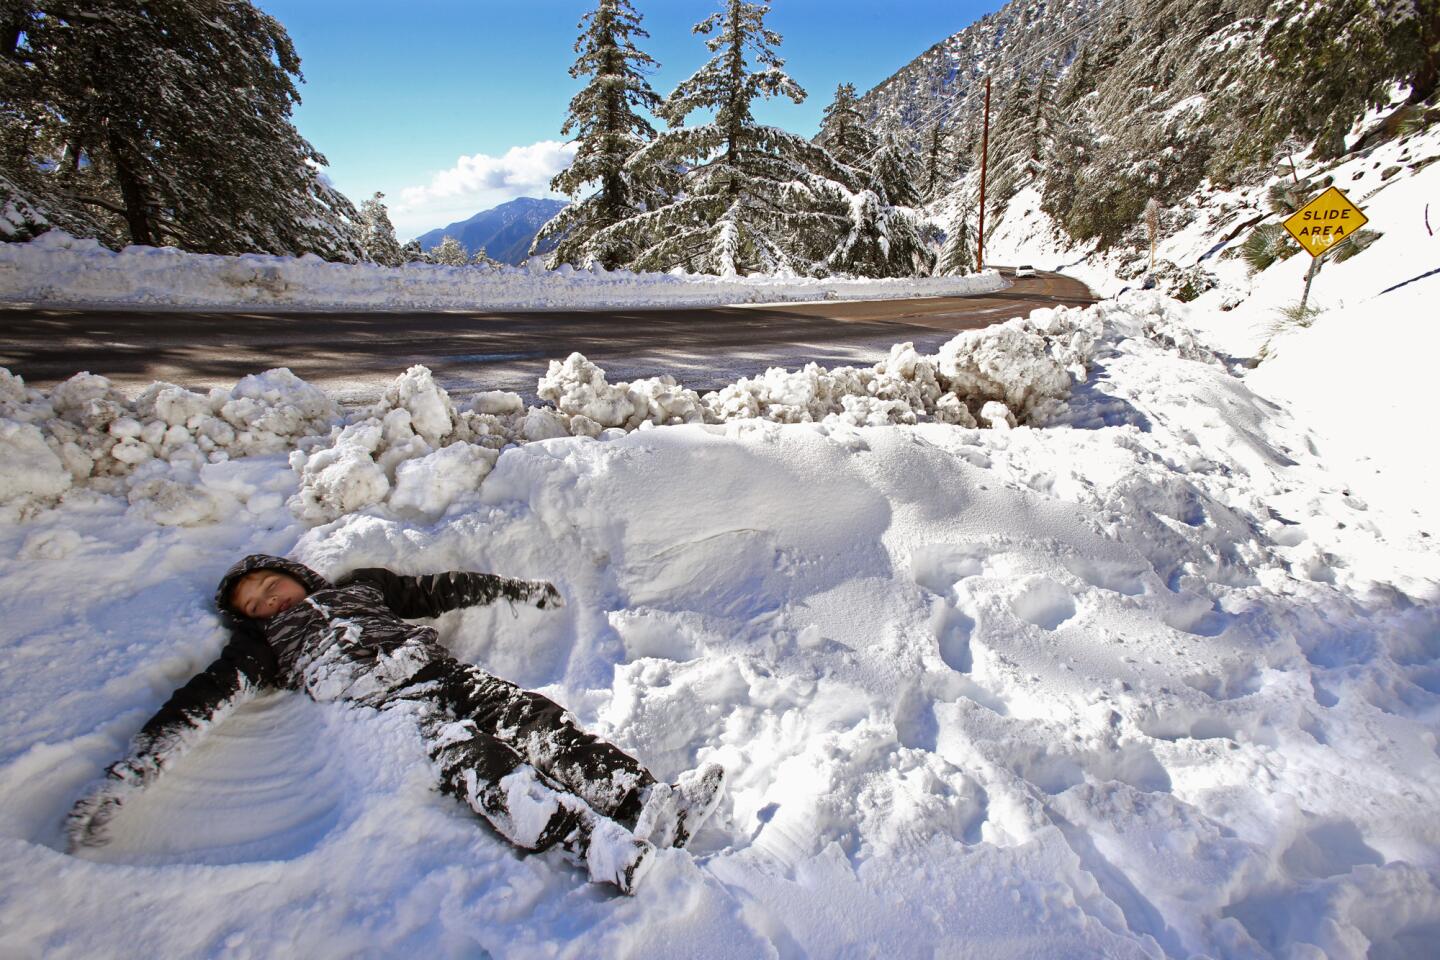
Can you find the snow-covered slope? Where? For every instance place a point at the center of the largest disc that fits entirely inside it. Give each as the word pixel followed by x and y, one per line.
pixel 1145 679
pixel 1375 328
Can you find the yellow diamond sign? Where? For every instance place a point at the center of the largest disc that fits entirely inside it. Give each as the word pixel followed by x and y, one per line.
pixel 1325 221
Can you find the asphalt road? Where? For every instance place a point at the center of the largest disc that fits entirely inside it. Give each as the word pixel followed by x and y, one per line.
pixel 353 354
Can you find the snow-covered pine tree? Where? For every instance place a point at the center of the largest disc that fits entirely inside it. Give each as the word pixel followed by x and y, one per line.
pixel 751 198
pixel 937 162
pixel 883 240
pixel 843 130
pixel 1021 138
pixel 169 122
pixel 609 131
pixel 411 252
pixel 957 256
pixel 882 236
pixel 887 236
pixel 895 172
pixel 963 146
pixel 378 233
pixel 483 259
pixel 449 253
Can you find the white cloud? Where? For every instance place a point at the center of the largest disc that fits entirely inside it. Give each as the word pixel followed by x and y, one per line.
pixel 477 183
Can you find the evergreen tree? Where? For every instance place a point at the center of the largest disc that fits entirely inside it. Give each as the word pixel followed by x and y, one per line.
pixel 894 171
pixel 449 253
pixel 750 198
pixel 411 252
pixel 957 256
pixel 1043 118
pixel 843 130
pixel 169 122
pixel 378 234
pixel 963 148
pixel 883 240
pixel 608 133
pixel 879 236
pixel 937 162
pixel 483 259
pixel 1019 138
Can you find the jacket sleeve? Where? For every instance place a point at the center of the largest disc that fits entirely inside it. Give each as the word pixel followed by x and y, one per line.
pixel 433 594
pixel 246 666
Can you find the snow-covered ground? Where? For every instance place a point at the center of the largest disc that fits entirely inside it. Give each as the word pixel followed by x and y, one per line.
pixel 56 269
pixel 1154 672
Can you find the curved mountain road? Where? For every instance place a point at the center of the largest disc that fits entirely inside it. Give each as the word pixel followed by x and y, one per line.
pixel 354 354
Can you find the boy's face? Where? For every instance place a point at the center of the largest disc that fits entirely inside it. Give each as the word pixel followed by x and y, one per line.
pixel 264 593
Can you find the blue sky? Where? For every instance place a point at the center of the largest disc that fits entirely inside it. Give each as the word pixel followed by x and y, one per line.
pixel 453 106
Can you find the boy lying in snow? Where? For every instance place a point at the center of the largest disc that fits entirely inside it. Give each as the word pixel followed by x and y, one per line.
pixel 514 756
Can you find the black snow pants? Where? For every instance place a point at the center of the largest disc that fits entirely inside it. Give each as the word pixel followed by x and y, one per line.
pixel 517 758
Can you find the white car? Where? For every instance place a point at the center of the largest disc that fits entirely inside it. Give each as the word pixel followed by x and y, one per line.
pixel 1024 270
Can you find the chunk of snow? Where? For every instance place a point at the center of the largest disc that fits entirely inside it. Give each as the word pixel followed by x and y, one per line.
pixel 427 486
pixel 29 469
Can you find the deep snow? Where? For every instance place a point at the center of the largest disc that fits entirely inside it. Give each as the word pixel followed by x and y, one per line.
pixel 1143 680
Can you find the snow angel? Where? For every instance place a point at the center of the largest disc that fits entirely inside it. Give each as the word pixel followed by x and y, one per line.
pixel 516 758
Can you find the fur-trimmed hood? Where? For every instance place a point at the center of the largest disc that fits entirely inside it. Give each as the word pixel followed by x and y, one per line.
pixel 260 561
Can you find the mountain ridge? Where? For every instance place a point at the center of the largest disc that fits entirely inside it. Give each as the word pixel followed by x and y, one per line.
pixel 504 232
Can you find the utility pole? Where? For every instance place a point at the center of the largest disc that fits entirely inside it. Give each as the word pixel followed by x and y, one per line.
pixel 1152 225
pixel 984 155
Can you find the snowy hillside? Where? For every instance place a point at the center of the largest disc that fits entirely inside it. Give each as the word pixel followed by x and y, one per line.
pixel 1368 304
pixel 946 84
pixel 1145 674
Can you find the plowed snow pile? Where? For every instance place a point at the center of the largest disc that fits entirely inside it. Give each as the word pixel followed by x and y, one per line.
pixel 58 269
pixel 1060 642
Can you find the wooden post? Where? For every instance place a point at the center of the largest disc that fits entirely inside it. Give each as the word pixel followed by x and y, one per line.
pixel 984 155
pixel 1310 276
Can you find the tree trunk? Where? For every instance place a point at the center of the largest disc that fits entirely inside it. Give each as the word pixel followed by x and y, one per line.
pixel 134 194
pixel 1423 82
pixel 737 78
pixel 1422 85
pixel 12 24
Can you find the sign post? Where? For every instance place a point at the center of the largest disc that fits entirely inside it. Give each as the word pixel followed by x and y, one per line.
pixel 1322 223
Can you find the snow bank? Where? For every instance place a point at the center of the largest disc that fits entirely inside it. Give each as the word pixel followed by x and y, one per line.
pixel 1014 373
pixel 416 451
pixel 1393 181
pixel 151 448
pixel 56 268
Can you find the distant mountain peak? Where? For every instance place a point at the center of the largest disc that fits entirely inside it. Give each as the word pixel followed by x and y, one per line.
pixel 505 231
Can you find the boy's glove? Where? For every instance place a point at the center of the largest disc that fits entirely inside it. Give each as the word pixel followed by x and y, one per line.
pixel 87 824
pixel 545 596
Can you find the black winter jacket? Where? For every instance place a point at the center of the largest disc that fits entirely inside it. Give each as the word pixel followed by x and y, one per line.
pixel 344 641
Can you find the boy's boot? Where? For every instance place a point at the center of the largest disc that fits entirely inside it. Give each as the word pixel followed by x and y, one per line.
pixel 610 853
pixel 674 811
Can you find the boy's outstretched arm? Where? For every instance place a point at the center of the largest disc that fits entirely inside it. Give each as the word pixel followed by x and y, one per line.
pixel 433 594
pixel 244 667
